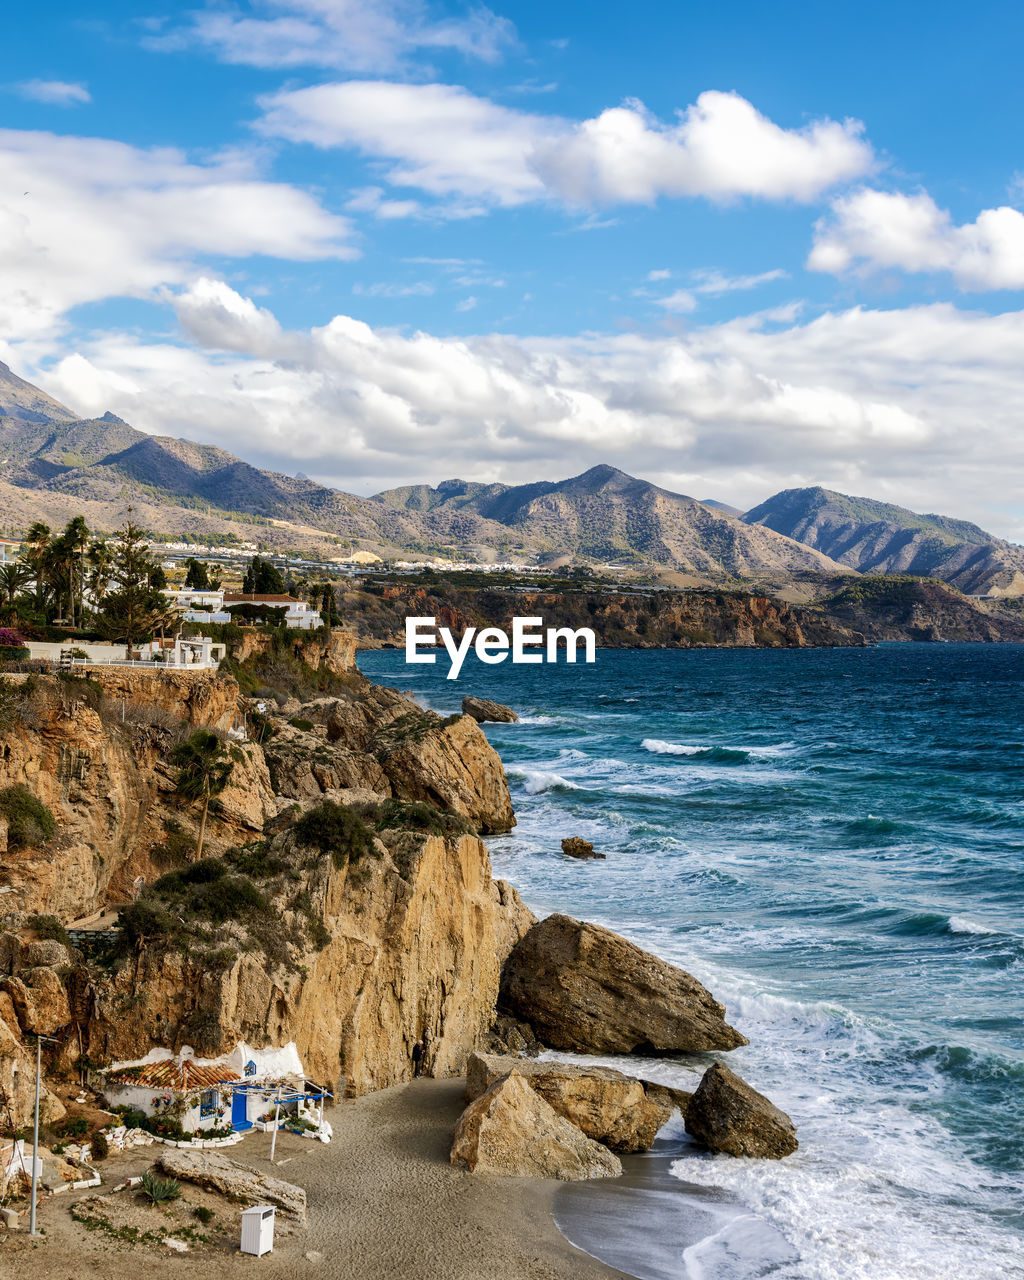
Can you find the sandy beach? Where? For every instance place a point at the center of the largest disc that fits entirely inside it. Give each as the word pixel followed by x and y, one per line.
pixel 383 1202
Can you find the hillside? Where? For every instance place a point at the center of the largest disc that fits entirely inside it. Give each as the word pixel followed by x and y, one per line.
pixel 877 537
pixel 909 608
pixel 606 515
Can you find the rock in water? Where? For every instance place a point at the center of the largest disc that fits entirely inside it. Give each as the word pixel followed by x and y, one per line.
pixel 239 1181
pixel 511 1130
pixel 605 1104
pixel 575 847
pixel 485 709
pixel 585 989
pixel 726 1114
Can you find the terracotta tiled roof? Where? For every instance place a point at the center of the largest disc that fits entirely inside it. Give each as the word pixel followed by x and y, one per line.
pixel 232 597
pixel 172 1073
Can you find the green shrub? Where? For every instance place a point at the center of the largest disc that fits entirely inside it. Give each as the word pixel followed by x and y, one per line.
pixel 158 1189
pixel 417 816
pixel 203 872
pixel 256 861
pixel 100 1147
pixel 227 898
pixel 145 920
pixel 307 726
pixel 29 822
pixel 131 1117
pixel 50 928
pixel 204 1213
pixel 333 829
pixel 76 1128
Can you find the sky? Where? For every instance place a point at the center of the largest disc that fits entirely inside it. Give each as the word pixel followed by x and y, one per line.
pixel 731 249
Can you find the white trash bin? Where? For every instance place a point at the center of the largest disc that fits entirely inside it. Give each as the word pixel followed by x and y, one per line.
pixel 258 1229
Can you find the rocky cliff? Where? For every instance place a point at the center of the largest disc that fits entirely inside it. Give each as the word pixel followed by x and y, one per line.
pixel 344 899
pixel 906 608
pixel 619 619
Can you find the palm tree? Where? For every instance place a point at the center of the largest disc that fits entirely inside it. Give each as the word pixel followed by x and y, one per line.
pixel 100 559
pixel 203 772
pixel 13 577
pixel 76 539
pixel 35 551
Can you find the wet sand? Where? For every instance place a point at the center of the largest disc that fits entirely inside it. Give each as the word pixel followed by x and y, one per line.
pixel 384 1204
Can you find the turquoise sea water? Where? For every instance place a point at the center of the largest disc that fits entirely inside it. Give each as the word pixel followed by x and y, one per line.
pixel 833 841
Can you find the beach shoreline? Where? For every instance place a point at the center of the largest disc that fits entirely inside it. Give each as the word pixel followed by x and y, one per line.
pixel 383 1202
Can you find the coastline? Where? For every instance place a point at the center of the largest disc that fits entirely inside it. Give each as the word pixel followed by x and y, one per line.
pixel 384 1202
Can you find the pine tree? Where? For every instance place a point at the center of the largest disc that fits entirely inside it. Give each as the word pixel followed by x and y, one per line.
pixel 134 609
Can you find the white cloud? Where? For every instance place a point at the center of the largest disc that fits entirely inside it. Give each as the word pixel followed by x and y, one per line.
pixel 353 35
pixel 682 300
pixel 662 273
pixel 715 283
pixel 864 401
pixel 877 230
pixel 438 137
pixel 57 93
pixel 467 304
pixel 392 289
pixel 83 219
pixel 452 144
pixel 721 147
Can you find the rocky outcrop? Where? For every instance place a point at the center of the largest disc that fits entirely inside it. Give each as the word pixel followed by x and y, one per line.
pixel 378 738
pixel 239 1182
pixel 605 1104
pixel 205 697
pixel 576 847
pixel 585 989
pixel 726 1114
pixel 408 947
pixel 484 709
pixel 93 752
pixel 666 1096
pixel 18 1074
pixel 510 1130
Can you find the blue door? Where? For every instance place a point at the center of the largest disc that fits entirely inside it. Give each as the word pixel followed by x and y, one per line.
pixel 239 1120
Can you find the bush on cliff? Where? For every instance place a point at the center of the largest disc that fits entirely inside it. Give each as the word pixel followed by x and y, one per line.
pixel 333 829
pixel 417 816
pixel 29 822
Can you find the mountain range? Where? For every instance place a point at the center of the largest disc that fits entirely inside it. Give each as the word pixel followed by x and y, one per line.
pixel 54 464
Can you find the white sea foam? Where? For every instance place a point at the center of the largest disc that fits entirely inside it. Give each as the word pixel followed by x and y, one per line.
pixel 768 751
pixel 961 924
pixel 536 781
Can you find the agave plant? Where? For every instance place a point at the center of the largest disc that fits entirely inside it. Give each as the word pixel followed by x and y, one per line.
pixel 158 1188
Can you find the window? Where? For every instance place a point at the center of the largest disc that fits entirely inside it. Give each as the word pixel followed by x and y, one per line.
pixel 208 1104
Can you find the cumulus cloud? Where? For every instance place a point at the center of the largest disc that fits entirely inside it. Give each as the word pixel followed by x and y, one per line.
pixel 721 147
pixel 57 93
pixel 354 35
pixel 876 230
pixel 864 401
pixel 449 142
pixel 83 219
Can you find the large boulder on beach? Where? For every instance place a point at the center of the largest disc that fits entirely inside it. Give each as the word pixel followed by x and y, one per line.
pixel 605 1104
pixel 484 709
pixel 726 1114
pixel 587 990
pixel 511 1130
pixel 238 1182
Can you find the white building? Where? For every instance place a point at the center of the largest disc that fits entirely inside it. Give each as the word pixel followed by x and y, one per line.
pixel 297 613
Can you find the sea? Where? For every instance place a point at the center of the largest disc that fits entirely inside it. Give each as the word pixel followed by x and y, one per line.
pixel 831 840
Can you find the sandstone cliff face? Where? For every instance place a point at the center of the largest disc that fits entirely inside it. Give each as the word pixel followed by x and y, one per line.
pixel 378 738
pixel 91 751
pixel 356 958
pixel 415 938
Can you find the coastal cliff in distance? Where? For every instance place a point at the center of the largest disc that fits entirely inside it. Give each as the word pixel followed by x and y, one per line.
pixel 619 619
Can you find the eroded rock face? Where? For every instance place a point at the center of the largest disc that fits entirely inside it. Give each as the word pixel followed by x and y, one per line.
pixel 239 1181
pixel 482 709
pixel 726 1114
pixel 585 989
pixel 605 1104
pixel 18 1074
pixel 511 1130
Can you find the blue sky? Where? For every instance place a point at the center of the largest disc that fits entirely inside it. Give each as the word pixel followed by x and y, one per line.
pixel 732 250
